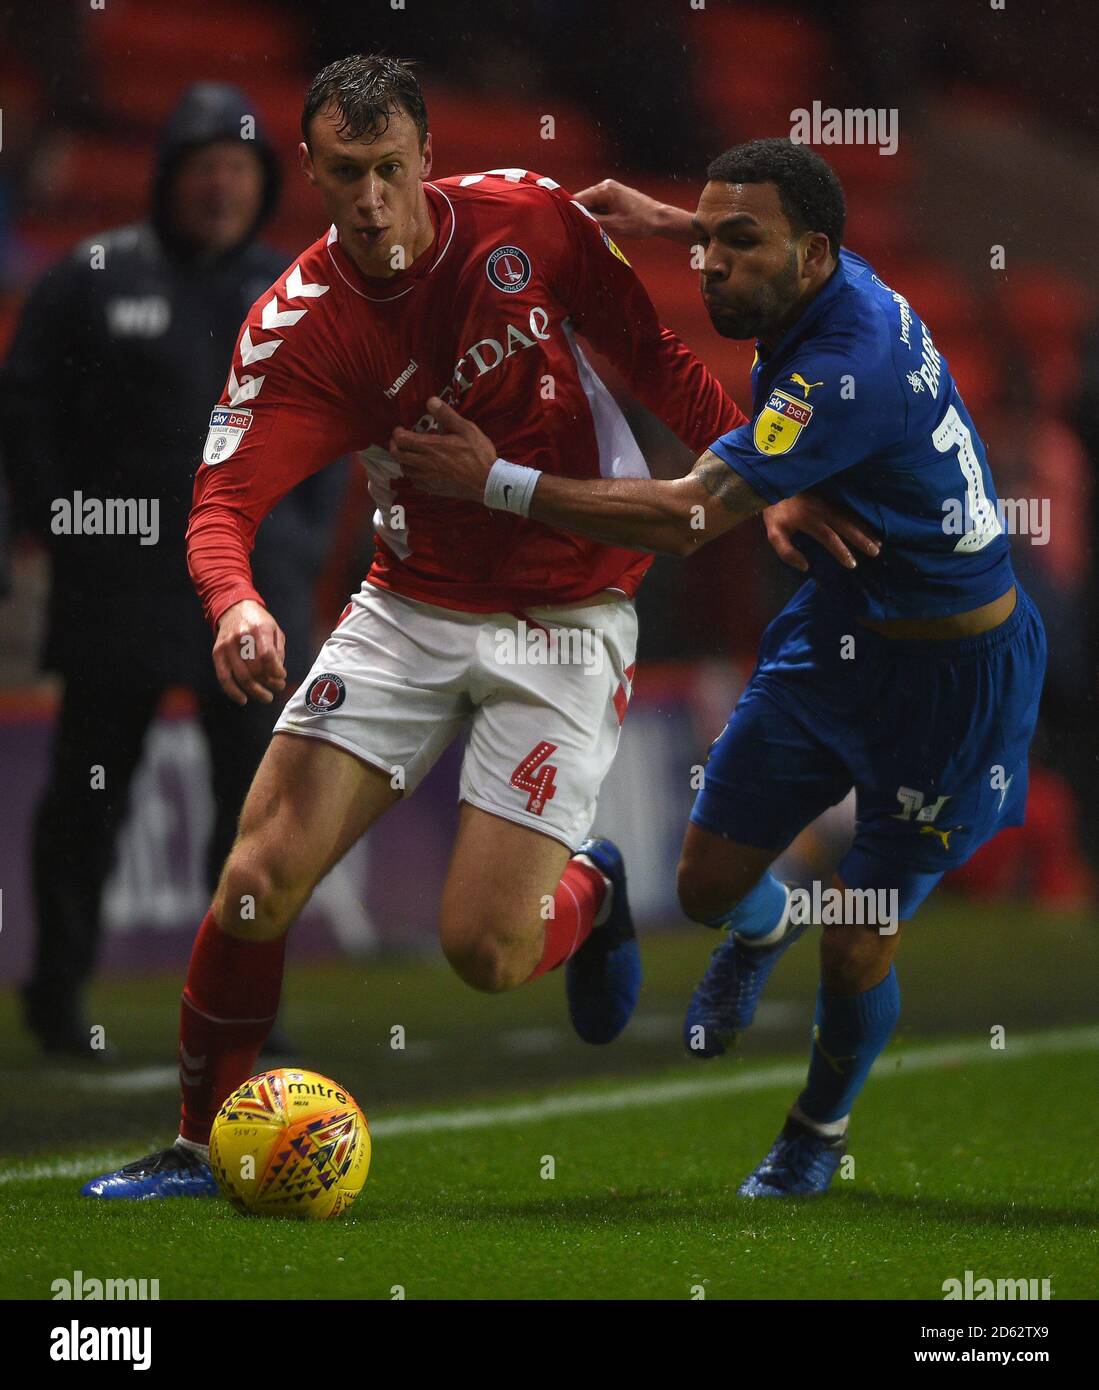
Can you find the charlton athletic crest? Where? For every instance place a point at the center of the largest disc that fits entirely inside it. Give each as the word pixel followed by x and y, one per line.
pixel 326 693
pixel 509 269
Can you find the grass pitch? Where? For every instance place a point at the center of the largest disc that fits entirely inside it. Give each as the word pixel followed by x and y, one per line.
pixel 965 1156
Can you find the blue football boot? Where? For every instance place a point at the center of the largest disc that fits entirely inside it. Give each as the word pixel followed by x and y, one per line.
pixel 724 1003
pixel 173 1172
pixel 801 1163
pixel 603 979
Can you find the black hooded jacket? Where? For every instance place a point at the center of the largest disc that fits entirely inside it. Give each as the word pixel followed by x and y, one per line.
pixel 119 356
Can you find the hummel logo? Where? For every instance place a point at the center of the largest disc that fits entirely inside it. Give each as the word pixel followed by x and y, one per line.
pixel 391 391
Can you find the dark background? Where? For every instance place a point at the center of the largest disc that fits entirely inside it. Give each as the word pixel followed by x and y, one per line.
pixel 999 138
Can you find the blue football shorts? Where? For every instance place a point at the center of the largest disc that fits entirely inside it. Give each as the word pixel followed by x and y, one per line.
pixel 933 736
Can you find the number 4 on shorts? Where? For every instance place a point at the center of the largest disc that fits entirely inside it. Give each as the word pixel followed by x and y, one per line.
pixel 536 776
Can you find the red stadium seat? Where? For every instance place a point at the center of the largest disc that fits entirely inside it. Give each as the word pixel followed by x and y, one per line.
pixel 51 237
pixel 21 98
pixel 941 296
pixel 133 43
pixel 1040 861
pixel 977 371
pixel 1045 301
pixel 101 176
pixel 471 134
pixel 879 228
pixel 754 67
pixel 864 171
pixel 9 315
pixel 1046 311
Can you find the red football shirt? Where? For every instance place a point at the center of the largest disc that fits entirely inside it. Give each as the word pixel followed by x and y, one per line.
pixel 329 361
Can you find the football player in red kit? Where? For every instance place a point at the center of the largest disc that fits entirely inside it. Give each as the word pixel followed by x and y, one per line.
pixel 473 289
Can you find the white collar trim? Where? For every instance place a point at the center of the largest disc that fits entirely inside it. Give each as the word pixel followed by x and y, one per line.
pixel 333 236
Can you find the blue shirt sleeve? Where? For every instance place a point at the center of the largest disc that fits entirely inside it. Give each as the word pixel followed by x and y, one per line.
pixel 823 414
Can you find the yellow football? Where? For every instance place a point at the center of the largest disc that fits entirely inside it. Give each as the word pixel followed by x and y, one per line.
pixel 290 1143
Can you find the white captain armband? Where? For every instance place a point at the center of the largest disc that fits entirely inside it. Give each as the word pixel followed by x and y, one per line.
pixel 509 487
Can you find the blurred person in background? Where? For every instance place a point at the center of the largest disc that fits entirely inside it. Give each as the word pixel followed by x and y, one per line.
pixel 44 66
pixel 118 352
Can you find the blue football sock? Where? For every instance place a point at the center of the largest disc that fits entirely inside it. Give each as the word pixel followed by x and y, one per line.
pixel 759 912
pixel 849 1033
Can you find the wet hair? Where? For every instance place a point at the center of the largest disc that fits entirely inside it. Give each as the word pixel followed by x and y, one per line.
pixel 809 191
pixel 366 89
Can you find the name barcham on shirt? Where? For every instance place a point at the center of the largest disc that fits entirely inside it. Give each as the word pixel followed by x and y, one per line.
pixel 107 516
pixel 931 363
pixel 534 645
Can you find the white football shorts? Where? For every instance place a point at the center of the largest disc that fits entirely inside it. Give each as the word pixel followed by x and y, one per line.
pixel 541 694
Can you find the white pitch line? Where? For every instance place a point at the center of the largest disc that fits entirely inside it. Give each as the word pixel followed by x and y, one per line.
pixel 86 1167
pixel 916 1059
pixel 528 1042
pixel 122 1082
pixel 647 1028
pixel 759 1079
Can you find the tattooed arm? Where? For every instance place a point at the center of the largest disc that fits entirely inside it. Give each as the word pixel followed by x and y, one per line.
pixel 672 518
pixel 675 517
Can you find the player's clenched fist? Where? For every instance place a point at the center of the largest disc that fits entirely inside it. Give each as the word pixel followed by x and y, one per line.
pixel 452 461
pixel 248 653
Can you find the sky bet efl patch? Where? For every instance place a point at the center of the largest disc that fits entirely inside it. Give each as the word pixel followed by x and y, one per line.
pixel 780 422
pixel 227 429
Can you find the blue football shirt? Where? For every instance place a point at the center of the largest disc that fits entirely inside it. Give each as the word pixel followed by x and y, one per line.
pixel 857 404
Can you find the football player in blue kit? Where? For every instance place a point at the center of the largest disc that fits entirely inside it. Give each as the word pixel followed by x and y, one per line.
pixel 912 675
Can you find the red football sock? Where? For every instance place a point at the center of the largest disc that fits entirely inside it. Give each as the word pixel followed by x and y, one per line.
pixel 229 1003
pixel 578 899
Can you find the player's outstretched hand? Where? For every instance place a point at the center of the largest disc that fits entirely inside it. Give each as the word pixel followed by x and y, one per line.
pixel 834 527
pixel 453 461
pixel 627 212
pixel 248 653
